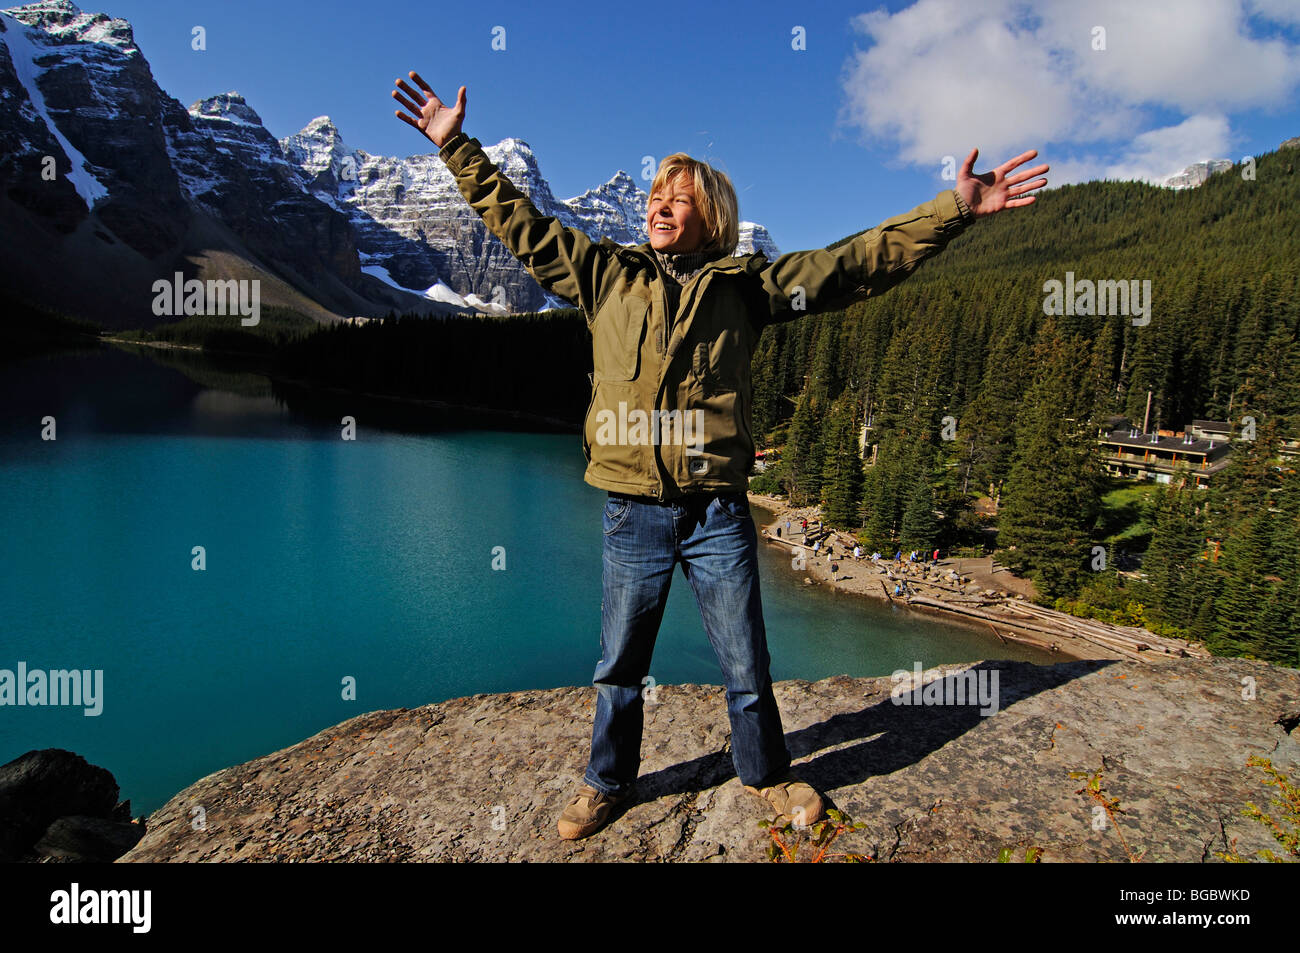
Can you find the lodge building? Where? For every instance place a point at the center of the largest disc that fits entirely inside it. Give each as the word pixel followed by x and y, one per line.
pixel 1203 447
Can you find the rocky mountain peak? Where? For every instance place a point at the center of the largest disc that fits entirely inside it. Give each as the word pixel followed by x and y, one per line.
pixel 229 106
pixel 1196 173
pixel 64 22
pixel 322 126
pixel 516 159
pixel 622 180
pixel 317 147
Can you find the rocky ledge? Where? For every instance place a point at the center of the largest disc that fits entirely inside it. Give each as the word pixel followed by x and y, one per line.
pixel 56 807
pixel 483 778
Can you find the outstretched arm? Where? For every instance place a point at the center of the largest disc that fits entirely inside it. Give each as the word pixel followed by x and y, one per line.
pixel 809 282
pixel 562 260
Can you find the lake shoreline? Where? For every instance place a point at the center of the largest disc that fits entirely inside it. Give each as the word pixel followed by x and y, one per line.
pixel 256 364
pixel 980 577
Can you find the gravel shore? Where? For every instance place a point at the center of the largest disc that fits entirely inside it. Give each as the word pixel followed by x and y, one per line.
pixel 941 580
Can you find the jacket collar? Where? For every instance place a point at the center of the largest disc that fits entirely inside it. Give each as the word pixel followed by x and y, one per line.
pixel 643 253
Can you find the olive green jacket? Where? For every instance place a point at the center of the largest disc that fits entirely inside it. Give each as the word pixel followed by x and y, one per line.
pixel 670 410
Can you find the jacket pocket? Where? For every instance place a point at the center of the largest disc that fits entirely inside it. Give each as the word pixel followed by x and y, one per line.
pixel 616 337
pixel 702 368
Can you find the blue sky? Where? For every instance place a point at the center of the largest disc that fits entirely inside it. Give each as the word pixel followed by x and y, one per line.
pixel 820 142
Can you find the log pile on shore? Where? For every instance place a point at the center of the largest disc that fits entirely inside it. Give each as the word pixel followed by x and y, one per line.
pixel 1128 641
pixel 952 585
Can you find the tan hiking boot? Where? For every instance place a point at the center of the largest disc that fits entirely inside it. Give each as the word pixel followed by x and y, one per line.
pixel 792 799
pixel 587 812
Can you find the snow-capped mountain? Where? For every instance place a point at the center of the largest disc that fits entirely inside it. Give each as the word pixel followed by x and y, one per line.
pixel 110 185
pixel 1196 174
pixel 413 225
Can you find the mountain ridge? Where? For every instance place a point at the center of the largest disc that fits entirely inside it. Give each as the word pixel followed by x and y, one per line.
pixel 144 188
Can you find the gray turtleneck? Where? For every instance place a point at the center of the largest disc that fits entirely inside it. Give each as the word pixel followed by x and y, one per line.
pixel 681 267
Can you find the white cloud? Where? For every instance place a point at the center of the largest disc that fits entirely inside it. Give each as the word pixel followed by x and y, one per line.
pixel 926 82
pixel 1191 57
pixel 1159 153
pixel 942 76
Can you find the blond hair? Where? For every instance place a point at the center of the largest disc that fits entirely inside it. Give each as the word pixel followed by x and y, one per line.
pixel 714 196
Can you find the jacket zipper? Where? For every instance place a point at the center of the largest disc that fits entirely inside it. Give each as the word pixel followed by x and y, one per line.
pixel 586 446
pixel 683 313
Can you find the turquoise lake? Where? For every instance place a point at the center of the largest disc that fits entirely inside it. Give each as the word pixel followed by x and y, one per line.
pixel 326 559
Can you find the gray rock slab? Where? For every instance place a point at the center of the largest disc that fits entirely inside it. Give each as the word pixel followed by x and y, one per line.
pixel 484 778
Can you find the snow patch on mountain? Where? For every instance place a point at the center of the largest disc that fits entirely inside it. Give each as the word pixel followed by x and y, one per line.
pixel 24 50
pixel 66 22
pixel 435 292
pixel 487 307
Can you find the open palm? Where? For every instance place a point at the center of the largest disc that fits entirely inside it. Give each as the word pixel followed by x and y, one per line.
pixel 429 114
pixel 993 191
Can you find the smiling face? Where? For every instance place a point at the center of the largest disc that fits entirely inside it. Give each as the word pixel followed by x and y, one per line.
pixel 673 219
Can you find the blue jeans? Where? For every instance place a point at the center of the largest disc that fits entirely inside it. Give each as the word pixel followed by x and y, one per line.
pixel 713 537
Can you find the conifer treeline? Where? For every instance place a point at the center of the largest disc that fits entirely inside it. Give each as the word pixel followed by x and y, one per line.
pixel 534 363
pixel 970 386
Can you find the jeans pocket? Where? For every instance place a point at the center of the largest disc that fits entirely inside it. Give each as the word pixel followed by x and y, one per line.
pixel 734 505
pixel 615 514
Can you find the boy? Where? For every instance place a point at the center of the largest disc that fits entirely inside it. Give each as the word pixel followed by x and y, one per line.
pixel 674 323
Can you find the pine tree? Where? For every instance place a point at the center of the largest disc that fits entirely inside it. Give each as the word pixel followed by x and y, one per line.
pixel 987 430
pixel 1051 500
pixel 842 479
pixel 806 458
pixel 883 489
pixel 920 529
pixel 1278 625
pixel 1244 593
pixel 1177 543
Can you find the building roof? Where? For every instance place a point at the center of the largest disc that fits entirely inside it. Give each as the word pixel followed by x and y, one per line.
pixel 1124 438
